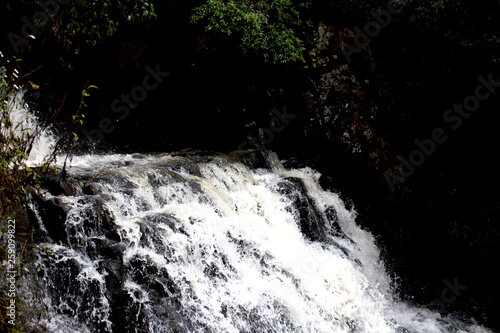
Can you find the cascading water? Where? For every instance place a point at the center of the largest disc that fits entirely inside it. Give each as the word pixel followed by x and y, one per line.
pixel 28 125
pixel 204 243
pixel 210 243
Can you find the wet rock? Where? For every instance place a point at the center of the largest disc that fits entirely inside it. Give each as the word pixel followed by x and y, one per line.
pixel 56 183
pixel 333 222
pixel 53 216
pixel 254 159
pixel 311 223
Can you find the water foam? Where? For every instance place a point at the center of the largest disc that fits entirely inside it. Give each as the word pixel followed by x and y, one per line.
pixel 27 124
pixel 210 244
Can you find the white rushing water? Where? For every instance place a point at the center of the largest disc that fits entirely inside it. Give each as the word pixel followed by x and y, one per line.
pixel 211 243
pixel 26 124
pixel 206 243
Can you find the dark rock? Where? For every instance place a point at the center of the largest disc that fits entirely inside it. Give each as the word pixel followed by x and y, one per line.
pixel 254 159
pixel 311 223
pixel 56 183
pixel 53 216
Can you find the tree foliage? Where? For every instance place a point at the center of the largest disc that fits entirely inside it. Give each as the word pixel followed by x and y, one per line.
pixel 93 21
pixel 274 29
pixel 80 23
pixel 15 141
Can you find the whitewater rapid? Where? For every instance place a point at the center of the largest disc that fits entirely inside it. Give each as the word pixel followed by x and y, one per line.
pixel 215 243
pixel 204 242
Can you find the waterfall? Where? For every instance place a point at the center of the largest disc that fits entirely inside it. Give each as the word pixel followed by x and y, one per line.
pixel 206 242
pixel 26 123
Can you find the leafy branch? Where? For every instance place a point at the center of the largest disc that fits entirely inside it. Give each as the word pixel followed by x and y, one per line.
pixel 272 28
